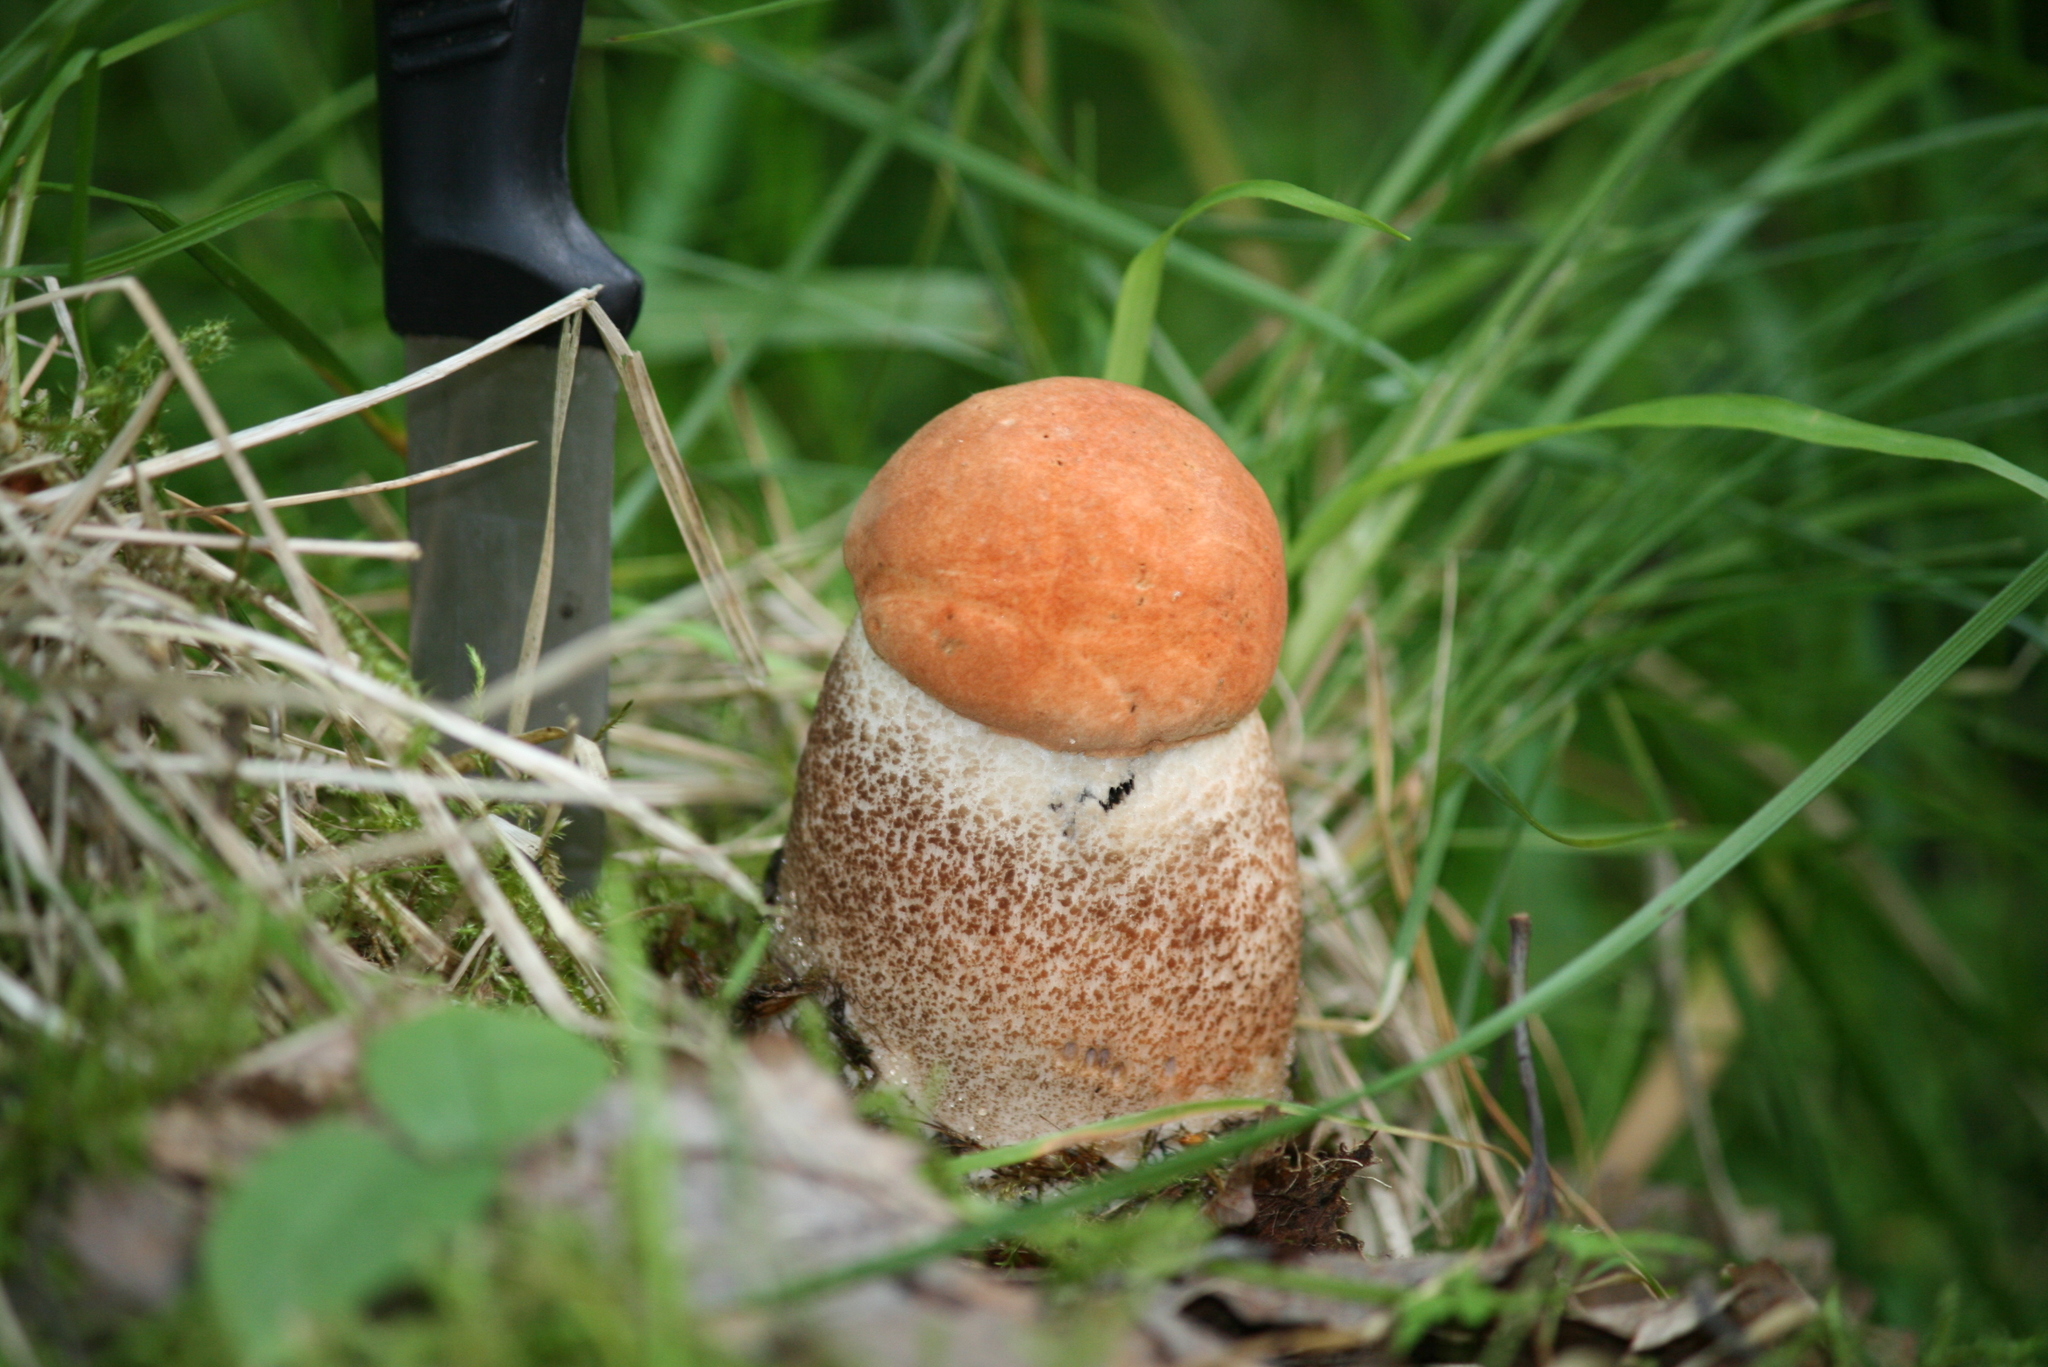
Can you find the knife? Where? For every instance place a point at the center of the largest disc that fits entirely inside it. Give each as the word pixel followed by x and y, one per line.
pixel 480 230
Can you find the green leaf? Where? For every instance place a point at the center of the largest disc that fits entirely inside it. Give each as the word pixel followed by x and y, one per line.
pixel 1741 412
pixel 461 1080
pixel 1137 303
pixel 188 235
pixel 1496 783
pixel 331 1215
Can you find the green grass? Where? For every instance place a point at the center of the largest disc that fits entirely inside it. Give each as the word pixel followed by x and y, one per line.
pixel 1610 204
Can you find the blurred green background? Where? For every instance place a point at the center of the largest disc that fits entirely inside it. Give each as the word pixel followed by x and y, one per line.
pixel 1610 201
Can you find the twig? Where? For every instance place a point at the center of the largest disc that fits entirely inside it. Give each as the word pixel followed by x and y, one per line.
pixel 1685 1052
pixel 1539 1197
pixel 35 371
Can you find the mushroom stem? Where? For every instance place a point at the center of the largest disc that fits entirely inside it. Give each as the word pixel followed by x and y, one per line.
pixel 1029 940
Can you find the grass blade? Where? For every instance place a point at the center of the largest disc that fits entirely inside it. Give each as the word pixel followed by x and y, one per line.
pixel 1508 42
pixel 847 192
pixel 30 45
pixel 743 969
pixel 749 12
pixel 1740 412
pixel 28 124
pixel 294 331
pixel 1946 139
pixel 178 28
pixel 1715 238
pixel 1137 303
pixel 81 199
pixel 1743 841
pixel 1402 956
pixel 322 117
pixel 1496 783
pixel 185 236
pixel 1078 211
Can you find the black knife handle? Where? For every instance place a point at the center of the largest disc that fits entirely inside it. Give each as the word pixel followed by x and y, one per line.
pixel 480 229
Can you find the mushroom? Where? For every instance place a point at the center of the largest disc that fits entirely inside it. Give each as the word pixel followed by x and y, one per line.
pixel 1039 847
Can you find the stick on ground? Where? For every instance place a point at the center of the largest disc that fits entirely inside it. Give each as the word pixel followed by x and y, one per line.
pixel 1539 1197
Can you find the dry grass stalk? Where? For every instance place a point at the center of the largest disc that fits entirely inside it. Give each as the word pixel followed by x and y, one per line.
pixel 210 541
pixel 306 420
pixel 727 604
pixel 128 759
pixel 355 491
pixel 544 576
pixel 1364 781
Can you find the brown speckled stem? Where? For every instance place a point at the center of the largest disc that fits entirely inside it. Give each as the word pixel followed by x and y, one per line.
pixel 1028 940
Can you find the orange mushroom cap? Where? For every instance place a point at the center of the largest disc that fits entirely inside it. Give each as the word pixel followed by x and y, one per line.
pixel 1076 562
